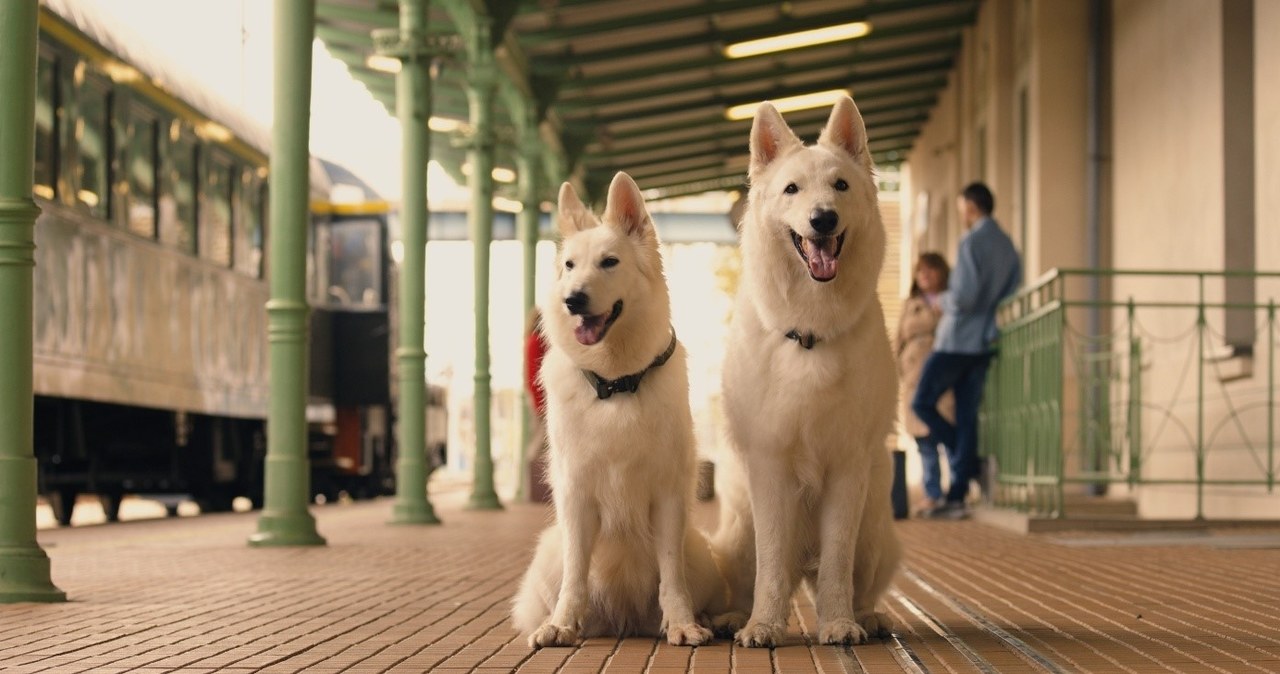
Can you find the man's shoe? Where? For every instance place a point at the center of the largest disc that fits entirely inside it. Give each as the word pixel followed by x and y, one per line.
pixel 951 510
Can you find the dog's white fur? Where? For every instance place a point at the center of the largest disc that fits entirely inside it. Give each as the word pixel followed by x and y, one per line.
pixel 621 559
pixel 808 426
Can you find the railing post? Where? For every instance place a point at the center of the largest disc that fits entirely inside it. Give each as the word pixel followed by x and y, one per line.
pixel 1135 401
pixel 1271 395
pixel 1200 330
pixel 24 566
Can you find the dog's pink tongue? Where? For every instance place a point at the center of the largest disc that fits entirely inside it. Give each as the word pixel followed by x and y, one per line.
pixel 589 330
pixel 822 262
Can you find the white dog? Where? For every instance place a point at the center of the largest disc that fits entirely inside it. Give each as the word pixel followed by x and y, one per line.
pixel 622 558
pixel 809 390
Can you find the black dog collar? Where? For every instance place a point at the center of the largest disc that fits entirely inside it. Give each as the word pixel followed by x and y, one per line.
pixel 629 383
pixel 806 340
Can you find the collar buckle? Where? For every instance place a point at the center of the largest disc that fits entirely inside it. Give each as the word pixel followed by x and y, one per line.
pixel 806 340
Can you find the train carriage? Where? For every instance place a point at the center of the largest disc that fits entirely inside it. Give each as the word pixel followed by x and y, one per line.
pixel 150 291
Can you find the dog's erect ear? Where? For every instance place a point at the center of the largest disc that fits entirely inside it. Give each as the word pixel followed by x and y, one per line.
pixel 624 209
pixel 574 216
pixel 846 131
pixel 770 138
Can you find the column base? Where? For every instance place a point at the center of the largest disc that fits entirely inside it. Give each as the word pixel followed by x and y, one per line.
pixel 413 513
pixel 24 577
pixel 484 501
pixel 287 529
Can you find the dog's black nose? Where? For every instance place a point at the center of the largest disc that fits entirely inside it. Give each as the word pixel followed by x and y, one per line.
pixel 577 303
pixel 823 221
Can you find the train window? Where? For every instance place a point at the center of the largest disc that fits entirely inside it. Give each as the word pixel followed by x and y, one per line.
pixel 215 211
pixel 355 263
pixel 248 224
pixel 178 193
pixel 93 118
pixel 141 171
pixel 46 173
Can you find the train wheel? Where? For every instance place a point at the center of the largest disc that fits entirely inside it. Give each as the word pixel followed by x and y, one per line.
pixel 63 503
pixel 111 505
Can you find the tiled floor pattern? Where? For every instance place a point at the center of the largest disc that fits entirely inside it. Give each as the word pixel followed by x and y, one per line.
pixel 188 595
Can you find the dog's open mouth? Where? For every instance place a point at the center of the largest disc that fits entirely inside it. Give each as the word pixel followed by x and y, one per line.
pixel 591 329
pixel 821 255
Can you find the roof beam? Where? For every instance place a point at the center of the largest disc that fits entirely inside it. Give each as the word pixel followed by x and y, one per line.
pixel 925 96
pixel 723 173
pixel 681 148
pixel 816 21
pixel 645 19
pixel 374 18
pixel 846 81
pixel 941 47
pixel 951 27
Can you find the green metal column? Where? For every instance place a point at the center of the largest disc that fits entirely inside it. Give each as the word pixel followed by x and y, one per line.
pixel 528 163
pixel 285 519
pixel 24 567
pixel 482 81
pixel 413 108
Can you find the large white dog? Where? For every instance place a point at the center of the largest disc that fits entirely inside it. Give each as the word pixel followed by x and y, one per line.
pixel 621 559
pixel 809 390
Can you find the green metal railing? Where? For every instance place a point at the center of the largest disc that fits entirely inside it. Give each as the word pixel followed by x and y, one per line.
pixel 1160 379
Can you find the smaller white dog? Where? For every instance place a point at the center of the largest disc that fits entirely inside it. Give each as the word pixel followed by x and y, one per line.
pixel 622 559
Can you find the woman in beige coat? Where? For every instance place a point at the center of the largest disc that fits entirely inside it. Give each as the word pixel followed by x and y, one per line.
pixel 914 343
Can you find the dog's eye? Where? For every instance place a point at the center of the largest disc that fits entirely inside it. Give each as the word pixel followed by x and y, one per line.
pixel 791 188
pixel 841 185
pixel 568 264
pixel 609 262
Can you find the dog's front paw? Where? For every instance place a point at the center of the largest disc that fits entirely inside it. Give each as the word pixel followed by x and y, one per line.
pixel 553 635
pixel 727 624
pixel 689 634
pixel 876 624
pixel 842 632
pixel 760 635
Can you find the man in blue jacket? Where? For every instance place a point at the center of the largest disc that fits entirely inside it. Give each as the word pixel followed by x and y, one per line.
pixel 987 270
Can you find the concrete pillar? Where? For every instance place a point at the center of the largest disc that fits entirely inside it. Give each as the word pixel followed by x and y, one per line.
pixel 285 519
pixel 24 567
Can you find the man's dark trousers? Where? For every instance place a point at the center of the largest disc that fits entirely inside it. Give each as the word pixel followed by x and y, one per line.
pixel 965 374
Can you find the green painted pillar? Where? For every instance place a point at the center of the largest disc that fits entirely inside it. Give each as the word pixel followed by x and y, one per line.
pixel 285 519
pixel 413 108
pixel 24 567
pixel 482 81
pixel 528 163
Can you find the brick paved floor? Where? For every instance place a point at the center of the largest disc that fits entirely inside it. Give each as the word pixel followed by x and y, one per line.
pixel 188 595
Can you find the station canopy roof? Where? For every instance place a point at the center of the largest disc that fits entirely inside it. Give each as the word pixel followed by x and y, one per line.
pixel 645 86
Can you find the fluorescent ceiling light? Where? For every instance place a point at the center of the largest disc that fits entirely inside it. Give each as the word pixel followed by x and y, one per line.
pixel 507 205
pixel 501 174
pixel 804 38
pixel 816 99
pixel 445 124
pixel 382 64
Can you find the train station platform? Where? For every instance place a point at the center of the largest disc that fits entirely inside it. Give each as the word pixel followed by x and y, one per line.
pixel 188 595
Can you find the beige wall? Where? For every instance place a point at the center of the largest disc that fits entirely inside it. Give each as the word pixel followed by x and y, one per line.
pixel 1167 145
pixel 1267 124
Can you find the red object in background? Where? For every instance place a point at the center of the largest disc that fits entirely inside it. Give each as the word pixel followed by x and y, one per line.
pixel 534 348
